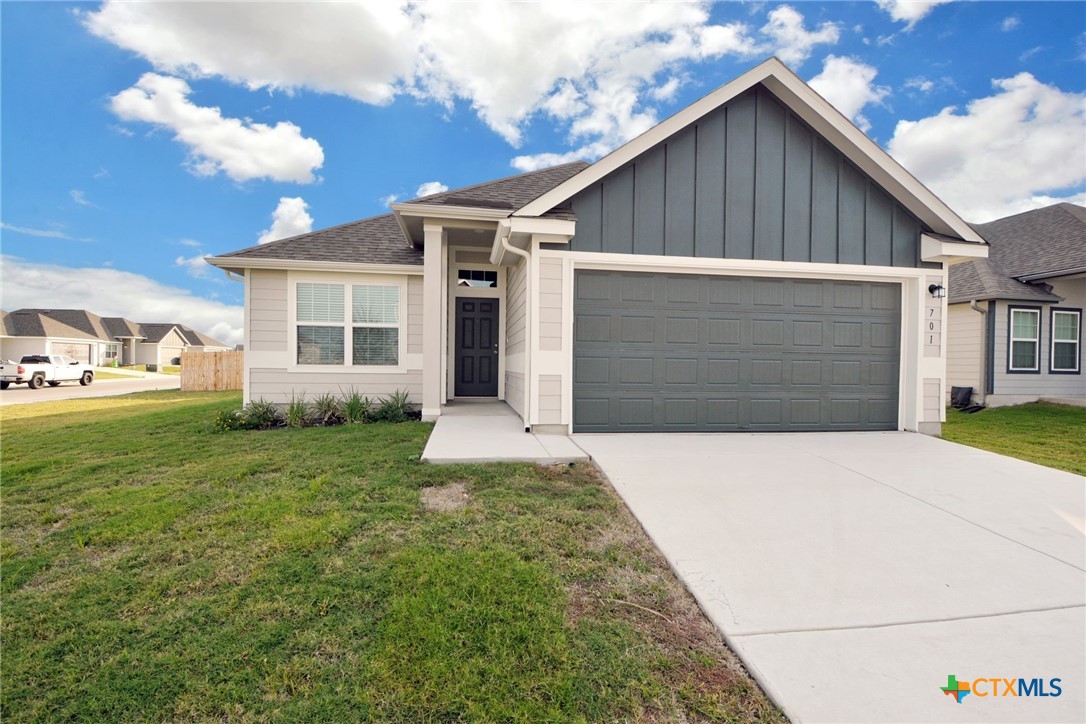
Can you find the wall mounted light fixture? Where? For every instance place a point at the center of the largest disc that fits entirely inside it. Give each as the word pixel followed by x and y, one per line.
pixel 937 290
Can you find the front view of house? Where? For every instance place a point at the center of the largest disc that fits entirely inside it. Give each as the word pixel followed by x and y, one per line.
pixel 753 263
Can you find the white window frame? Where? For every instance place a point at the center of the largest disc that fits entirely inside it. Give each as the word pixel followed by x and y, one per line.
pixel 1077 342
pixel 397 325
pixel 1011 339
pixel 348 325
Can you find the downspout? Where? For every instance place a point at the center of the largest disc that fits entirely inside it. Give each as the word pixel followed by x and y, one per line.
pixel 503 239
pixel 983 348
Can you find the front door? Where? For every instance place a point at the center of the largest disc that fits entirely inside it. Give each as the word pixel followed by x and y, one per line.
pixel 476 347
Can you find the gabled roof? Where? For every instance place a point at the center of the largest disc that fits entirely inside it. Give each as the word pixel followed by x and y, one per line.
pixel 1033 245
pixel 153 332
pixel 376 240
pixel 1043 242
pixel 120 328
pixel 199 339
pixel 510 193
pixel 63 323
pixel 787 87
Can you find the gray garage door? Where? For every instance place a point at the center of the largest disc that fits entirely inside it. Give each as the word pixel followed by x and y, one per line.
pixel 687 352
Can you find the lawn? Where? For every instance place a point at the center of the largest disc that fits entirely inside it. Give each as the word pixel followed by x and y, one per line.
pixel 153 569
pixel 1051 435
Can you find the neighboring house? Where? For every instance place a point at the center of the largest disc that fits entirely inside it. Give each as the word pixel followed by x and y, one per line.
pixel 1015 318
pixel 95 340
pixel 754 262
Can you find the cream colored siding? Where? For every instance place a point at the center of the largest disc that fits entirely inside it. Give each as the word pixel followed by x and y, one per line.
pixel 267 311
pixel 964 347
pixel 414 315
pixel 933 400
pixel 550 305
pixel 1022 387
pixel 277 385
pixel 550 399
pixel 516 305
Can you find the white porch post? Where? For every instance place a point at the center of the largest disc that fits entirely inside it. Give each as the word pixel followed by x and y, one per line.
pixel 432 320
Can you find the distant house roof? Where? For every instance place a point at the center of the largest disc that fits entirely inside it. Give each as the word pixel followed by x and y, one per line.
pixel 120 328
pixel 1030 246
pixel 153 332
pixel 81 324
pixel 380 239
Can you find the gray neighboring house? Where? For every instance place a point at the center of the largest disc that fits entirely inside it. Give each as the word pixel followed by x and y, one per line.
pixel 1015 318
pixel 96 340
pixel 753 263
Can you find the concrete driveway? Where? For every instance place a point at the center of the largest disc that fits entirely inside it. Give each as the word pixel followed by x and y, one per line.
pixel 854 572
pixel 23 395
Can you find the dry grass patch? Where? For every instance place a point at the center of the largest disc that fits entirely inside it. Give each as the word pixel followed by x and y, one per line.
pixel 445 498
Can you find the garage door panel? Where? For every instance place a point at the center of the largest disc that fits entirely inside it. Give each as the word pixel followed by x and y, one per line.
pixel 698 352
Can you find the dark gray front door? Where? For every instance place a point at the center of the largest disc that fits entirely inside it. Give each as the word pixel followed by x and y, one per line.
pixel 476 347
pixel 701 353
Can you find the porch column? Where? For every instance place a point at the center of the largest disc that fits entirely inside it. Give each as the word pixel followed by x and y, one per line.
pixel 432 320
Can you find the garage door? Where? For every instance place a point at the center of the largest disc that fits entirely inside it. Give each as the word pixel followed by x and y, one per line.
pixel 686 352
pixel 81 352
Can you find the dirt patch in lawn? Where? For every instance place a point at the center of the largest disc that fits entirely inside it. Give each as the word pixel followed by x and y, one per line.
pixel 445 498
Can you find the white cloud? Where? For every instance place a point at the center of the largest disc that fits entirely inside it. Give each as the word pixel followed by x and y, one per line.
pixel 190 242
pixel 195 266
pixel 1026 55
pixel 920 83
pixel 389 200
pixel 431 187
pixel 792 40
pixel 121 130
pixel 849 85
pixel 1016 149
pixel 102 173
pixel 597 76
pixel 290 218
pixel 115 293
pixel 1010 23
pixel 667 91
pixel 909 11
pixel 536 161
pixel 241 149
pixel 43 233
pixel 81 198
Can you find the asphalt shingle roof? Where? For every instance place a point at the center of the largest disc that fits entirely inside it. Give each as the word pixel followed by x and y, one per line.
pixel 376 240
pixel 1043 241
pixel 511 192
pixel 81 324
pixel 120 327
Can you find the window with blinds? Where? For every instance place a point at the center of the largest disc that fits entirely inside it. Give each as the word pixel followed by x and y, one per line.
pixel 375 314
pixel 320 302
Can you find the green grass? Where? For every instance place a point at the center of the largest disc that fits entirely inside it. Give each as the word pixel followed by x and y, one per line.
pixel 1051 435
pixel 155 570
pixel 162 369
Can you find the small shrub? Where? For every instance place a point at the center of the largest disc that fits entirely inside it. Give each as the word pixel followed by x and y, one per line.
pixel 226 420
pixel 394 408
pixel 356 408
pixel 327 410
pixel 297 412
pixel 262 415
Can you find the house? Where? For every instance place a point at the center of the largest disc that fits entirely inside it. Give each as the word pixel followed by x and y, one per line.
pixel 1014 320
pixel 96 340
pixel 754 262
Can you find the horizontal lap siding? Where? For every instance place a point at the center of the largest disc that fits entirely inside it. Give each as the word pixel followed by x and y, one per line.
pixel 964 347
pixel 278 385
pixel 267 310
pixel 515 336
pixel 750 180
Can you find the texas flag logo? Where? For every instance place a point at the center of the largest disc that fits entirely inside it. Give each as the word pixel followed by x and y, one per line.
pixel 958 689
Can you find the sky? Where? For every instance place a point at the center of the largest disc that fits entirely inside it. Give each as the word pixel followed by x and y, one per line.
pixel 136 138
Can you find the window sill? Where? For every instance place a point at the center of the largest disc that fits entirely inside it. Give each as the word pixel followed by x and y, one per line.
pixel 347 370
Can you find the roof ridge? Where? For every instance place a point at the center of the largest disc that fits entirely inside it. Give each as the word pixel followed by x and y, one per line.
pixel 272 244
pixel 497 180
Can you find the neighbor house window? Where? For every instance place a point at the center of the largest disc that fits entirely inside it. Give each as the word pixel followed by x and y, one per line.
pixel 320 338
pixel 1025 337
pixel 355 324
pixel 111 351
pixel 476 278
pixel 1066 337
pixel 375 318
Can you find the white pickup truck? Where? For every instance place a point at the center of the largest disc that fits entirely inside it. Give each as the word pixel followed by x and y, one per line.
pixel 38 369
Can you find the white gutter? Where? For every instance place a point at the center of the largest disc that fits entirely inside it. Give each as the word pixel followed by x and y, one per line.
pixel 503 239
pixel 983 348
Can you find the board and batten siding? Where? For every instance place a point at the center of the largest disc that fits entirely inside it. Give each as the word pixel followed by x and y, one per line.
pixel 750 180
pixel 964 347
pixel 268 357
pixel 1015 387
pixel 516 335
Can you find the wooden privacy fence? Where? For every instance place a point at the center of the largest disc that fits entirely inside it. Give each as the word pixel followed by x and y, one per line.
pixel 207 371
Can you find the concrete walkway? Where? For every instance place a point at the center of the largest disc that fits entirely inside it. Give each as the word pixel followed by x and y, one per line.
pixel 490 432
pixel 854 572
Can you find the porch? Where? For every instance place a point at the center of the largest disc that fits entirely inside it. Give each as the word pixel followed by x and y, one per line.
pixel 489 431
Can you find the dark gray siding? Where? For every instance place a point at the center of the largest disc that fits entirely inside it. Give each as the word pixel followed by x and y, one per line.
pixel 750 180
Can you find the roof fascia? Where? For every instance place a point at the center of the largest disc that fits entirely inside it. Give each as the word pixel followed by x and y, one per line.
pixel 1051 274
pixel 950 251
pixel 241 263
pixel 467 213
pixel 809 106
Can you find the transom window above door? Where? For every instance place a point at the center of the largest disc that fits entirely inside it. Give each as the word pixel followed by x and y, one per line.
pixel 477 278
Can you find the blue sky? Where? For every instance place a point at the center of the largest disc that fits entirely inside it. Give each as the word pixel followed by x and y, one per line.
pixel 138 137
